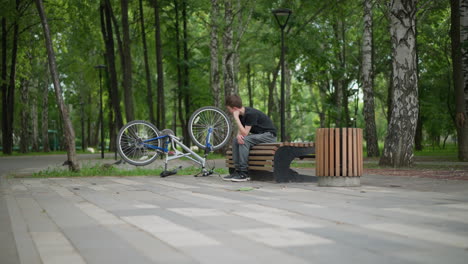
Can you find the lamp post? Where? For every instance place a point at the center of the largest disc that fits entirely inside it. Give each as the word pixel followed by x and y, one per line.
pixel 282 12
pixel 100 67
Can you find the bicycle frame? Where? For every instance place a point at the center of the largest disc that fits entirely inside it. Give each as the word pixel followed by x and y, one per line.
pixel 190 154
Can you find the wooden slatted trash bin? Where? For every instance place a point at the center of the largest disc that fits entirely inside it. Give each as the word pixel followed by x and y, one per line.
pixel 339 161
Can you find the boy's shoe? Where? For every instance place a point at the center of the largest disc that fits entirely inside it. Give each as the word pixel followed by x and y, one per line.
pixel 232 175
pixel 241 177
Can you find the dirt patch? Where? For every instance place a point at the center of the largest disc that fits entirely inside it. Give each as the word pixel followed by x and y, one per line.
pixel 422 173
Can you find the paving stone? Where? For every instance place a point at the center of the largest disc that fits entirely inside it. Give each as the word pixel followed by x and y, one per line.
pixel 7 246
pixel 184 219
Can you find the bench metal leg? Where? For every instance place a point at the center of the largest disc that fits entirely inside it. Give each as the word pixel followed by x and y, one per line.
pixel 283 158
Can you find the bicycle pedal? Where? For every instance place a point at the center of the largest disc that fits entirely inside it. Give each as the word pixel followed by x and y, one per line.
pixel 204 174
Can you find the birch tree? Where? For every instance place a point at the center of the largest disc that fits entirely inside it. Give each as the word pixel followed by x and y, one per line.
pixel 367 75
pixel 231 42
pixel 230 85
pixel 399 142
pixel 67 125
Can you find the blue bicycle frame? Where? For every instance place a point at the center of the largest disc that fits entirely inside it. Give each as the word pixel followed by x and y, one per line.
pixel 190 154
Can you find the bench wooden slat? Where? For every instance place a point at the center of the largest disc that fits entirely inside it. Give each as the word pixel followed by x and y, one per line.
pixel 262 152
pixel 257 147
pixel 229 157
pixel 255 162
pixel 281 144
pixel 278 144
pixel 256 152
pixel 264 147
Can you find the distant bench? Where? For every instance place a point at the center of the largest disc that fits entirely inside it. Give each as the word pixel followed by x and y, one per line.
pixel 275 158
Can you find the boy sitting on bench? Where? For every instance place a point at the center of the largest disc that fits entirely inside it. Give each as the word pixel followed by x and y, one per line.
pixel 254 127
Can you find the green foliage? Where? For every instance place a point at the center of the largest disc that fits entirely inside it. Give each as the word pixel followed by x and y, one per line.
pixel 318 33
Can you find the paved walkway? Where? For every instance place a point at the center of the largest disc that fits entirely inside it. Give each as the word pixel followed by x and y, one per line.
pixel 183 219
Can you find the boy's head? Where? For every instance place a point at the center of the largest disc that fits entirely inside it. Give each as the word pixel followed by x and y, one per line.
pixel 233 102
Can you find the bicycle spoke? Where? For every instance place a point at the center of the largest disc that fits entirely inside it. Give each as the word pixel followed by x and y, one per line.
pixel 206 119
pixel 131 142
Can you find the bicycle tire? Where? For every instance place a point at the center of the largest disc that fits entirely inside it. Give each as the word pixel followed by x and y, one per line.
pixel 205 118
pixel 131 145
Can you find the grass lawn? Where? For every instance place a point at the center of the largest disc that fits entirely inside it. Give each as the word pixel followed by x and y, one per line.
pixel 100 170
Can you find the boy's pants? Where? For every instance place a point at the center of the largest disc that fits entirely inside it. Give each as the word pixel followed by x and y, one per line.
pixel 240 152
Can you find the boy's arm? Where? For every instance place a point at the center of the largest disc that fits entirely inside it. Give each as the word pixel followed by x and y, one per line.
pixel 242 131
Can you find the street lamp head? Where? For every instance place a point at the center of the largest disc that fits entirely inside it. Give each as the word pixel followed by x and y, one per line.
pixel 282 12
pixel 100 66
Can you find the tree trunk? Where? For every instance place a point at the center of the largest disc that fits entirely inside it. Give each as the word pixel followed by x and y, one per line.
pixel 340 90
pixel 230 86
pixel 180 89
pixel 161 109
pixel 88 124
pixel 459 36
pixel 45 118
pixel 271 92
pixel 34 126
pixel 186 78
pixel 463 156
pixel 11 89
pixel 112 130
pixel 82 120
pixel 367 76
pixel 323 95
pixel 149 89
pixel 249 85
pixel 25 134
pixel 97 131
pixel 4 85
pixel 120 47
pixel 68 128
pixel 107 33
pixel 8 87
pixel 398 149
pixel 214 59
pixel 390 97
pixel 418 138
pixel 127 57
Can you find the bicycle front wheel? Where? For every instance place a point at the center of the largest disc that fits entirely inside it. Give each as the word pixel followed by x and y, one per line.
pixel 137 143
pixel 209 126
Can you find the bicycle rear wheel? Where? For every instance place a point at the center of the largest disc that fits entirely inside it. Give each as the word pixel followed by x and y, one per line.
pixel 209 119
pixel 136 143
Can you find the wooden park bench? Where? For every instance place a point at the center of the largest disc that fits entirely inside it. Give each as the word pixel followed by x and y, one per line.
pixel 274 159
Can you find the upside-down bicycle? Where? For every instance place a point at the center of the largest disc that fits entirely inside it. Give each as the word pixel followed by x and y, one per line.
pixel 139 142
